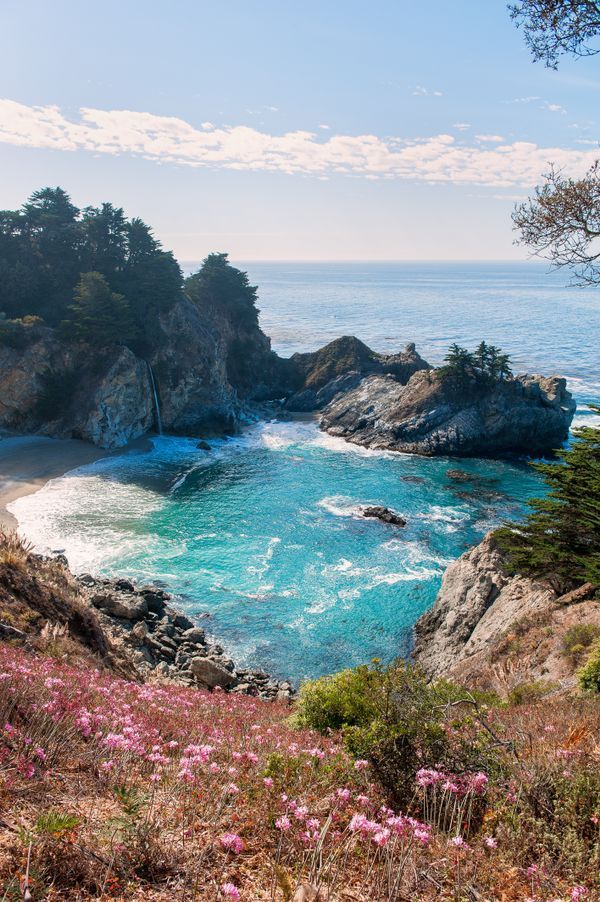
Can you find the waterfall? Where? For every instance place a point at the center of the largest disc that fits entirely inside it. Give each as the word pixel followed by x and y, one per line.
pixel 157 418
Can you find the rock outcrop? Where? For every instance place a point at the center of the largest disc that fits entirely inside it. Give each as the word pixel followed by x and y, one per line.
pixel 64 391
pixel 161 639
pixel 337 368
pixel 491 630
pixel 433 415
pixel 385 515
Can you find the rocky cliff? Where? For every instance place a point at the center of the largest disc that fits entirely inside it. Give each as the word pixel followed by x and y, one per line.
pixel 206 370
pixel 320 376
pixel 433 415
pixel 491 630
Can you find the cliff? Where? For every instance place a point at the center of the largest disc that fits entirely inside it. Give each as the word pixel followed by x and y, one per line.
pixel 433 415
pixel 206 370
pixel 490 630
pixel 320 376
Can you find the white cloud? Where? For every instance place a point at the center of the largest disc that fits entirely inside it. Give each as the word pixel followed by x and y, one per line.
pixel 525 99
pixel 490 139
pixel 553 107
pixel 420 91
pixel 437 159
pixel 326 127
pixel 462 126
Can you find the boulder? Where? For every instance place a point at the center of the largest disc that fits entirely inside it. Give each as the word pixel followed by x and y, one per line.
pixel 384 514
pixel 194 635
pixel 210 674
pixel 127 607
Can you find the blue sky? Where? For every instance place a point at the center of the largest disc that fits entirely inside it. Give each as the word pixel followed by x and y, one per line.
pixel 282 130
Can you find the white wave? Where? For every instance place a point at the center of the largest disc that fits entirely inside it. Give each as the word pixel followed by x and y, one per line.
pixel 341 446
pixel 340 506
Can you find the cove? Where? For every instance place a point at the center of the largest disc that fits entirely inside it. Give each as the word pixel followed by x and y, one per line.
pixel 263 536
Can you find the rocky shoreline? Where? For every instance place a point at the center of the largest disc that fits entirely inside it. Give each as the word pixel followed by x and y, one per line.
pixel 162 640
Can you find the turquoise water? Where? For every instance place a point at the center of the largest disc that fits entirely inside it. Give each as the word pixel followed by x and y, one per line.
pixel 264 533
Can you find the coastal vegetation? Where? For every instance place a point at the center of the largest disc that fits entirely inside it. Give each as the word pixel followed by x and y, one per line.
pixel 486 365
pixel 560 539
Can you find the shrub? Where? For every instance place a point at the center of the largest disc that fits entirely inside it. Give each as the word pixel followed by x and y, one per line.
pixel 529 693
pixel 578 639
pixel 589 675
pixel 393 717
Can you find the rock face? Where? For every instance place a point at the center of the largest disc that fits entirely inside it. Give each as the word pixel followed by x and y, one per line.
pixel 430 415
pixel 66 392
pixel 339 367
pixel 205 368
pixel 495 631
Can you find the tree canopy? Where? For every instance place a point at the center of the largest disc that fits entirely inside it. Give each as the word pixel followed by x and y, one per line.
pixel 560 539
pixel 486 365
pixel 556 27
pixel 218 285
pixel 562 223
pixel 47 245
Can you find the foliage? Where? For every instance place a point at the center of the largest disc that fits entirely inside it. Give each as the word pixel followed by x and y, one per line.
pixel 554 27
pixel 529 693
pixel 562 223
pixel 560 538
pixel 589 675
pixel 19 333
pixel 98 314
pixel 577 640
pixel 220 286
pixel 396 719
pixel 48 244
pixel 485 366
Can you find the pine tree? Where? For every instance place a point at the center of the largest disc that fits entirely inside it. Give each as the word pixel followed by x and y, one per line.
pixel 98 315
pixel 560 539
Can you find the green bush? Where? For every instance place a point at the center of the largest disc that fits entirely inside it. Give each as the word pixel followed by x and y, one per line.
pixel 393 717
pixel 578 639
pixel 529 693
pixel 589 675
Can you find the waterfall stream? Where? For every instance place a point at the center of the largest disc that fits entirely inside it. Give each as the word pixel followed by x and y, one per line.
pixel 157 417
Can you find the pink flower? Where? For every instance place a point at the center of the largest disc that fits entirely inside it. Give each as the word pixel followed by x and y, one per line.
pixel 268 781
pixel 381 837
pixel 578 892
pixel 490 842
pixel 283 823
pixel 231 891
pixel 232 842
pixel 361 764
pixel 343 795
pixel 459 842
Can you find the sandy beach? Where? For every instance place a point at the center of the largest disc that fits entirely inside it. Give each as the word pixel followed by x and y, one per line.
pixel 27 462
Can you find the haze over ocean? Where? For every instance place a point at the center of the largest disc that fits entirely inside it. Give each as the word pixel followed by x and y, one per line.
pixel 264 532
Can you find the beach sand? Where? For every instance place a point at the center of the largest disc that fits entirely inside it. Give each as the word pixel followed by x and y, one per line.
pixel 27 462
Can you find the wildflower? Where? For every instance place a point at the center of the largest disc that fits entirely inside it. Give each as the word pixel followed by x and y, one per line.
pixel 490 842
pixel 283 823
pixel 232 842
pixel 478 782
pixel 361 764
pixel 268 781
pixel 381 837
pixel 422 835
pixel 459 842
pixel 155 778
pixel 40 753
pixel 232 789
pixel 231 891
pixel 214 768
pixel 578 892
pixel 343 795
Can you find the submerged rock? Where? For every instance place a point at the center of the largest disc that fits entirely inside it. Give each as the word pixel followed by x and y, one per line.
pixel 384 514
pixel 431 415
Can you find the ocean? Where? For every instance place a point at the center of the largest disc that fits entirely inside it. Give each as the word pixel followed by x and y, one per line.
pixel 263 537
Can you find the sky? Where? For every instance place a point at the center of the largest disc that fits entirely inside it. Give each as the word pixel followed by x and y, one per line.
pixel 280 130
